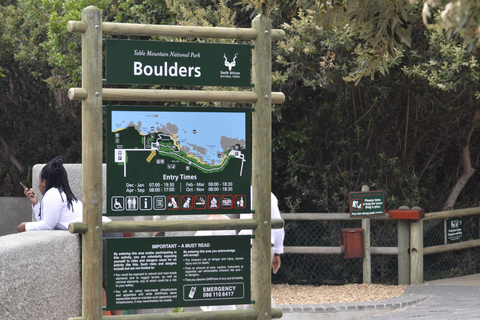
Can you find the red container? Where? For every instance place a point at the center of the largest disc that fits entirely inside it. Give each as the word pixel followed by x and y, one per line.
pixel 406 214
pixel 352 243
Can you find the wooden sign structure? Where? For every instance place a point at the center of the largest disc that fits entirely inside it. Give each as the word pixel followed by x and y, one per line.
pixel 92 95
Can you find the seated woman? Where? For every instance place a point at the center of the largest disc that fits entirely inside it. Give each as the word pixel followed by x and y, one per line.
pixel 59 205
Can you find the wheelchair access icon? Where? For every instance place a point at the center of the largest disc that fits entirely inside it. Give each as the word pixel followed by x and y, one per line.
pixel 117 204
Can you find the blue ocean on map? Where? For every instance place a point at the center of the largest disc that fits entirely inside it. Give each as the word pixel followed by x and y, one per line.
pixel 204 129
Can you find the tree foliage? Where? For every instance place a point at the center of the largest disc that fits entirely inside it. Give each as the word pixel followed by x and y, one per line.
pixel 385 25
pixel 36 121
pixel 409 133
pixel 333 144
pixel 39 60
pixel 408 130
pixel 459 18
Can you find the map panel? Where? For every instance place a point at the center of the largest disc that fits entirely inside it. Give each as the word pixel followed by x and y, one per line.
pixel 187 160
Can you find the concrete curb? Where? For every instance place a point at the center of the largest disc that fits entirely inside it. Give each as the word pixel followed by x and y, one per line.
pixel 411 296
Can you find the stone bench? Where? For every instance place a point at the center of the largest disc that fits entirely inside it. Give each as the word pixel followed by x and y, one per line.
pixel 13 211
pixel 40 275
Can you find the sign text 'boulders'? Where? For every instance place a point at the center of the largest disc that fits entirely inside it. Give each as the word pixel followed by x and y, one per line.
pixel 178 63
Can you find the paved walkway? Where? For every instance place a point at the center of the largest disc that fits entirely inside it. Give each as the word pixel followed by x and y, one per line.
pixel 457 298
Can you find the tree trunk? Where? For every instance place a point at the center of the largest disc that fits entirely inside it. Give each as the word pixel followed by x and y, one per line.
pixel 468 171
pixel 7 151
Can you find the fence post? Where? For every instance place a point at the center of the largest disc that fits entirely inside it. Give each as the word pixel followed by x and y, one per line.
pixel 403 250
pixel 416 251
pixel 92 153
pixel 262 166
pixel 367 259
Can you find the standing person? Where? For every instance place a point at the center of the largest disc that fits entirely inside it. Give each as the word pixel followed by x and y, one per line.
pixel 59 205
pixel 277 235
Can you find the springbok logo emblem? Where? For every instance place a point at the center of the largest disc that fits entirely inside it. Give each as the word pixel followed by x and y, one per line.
pixel 232 64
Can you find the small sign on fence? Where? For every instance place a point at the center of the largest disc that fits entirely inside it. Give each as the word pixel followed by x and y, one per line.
pixel 368 203
pixel 454 230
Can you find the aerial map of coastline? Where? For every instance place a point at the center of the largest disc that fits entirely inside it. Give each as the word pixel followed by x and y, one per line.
pixel 191 159
pixel 190 139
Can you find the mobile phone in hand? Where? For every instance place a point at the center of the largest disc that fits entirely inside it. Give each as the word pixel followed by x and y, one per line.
pixel 25 187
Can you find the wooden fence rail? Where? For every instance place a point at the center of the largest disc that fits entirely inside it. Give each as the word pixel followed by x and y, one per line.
pixel 410 248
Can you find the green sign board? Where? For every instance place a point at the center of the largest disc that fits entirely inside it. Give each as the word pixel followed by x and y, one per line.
pixel 178 160
pixel 368 203
pixel 454 229
pixel 177 63
pixel 164 272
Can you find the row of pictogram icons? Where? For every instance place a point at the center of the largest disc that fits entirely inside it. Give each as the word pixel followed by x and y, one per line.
pixel 185 202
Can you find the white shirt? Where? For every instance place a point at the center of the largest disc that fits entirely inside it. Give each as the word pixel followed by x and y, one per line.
pixel 53 212
pixel 277 235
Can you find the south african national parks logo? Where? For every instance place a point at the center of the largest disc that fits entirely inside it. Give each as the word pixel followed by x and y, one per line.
pixel 230 65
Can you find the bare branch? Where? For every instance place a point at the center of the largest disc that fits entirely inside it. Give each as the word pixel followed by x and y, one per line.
pixel 468 171
pixel 7 151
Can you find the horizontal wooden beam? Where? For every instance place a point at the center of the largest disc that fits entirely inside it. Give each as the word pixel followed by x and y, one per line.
pixel 134 29
pixel 389 251
pixel 244 314
pixel 174 225
pixel 451 247
pixel 452 213
pixel 337 250
pixel 327 216
pixel 174 95
pixel 312 250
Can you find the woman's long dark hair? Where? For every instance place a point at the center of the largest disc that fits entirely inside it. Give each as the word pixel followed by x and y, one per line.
pixel 56 177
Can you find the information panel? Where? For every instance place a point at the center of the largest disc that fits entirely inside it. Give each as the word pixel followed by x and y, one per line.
pixel 368 203
pixel 178 160
pixel 454 229
pixel 164 272
pixel 178 63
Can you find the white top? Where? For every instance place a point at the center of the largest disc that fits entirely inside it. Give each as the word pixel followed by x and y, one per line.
pixel 53 212
pixel 277 235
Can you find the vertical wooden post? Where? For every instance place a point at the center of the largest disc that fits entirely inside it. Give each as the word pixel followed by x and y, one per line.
pixel 367 259
pixel 403 250
pixel 261 166
pixel 416 252
pixel 92 151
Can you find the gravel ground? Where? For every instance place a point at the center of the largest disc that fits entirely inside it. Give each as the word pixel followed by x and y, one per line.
pixel 296 294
